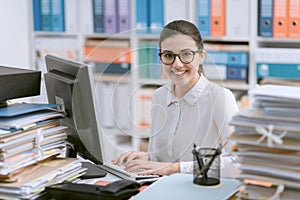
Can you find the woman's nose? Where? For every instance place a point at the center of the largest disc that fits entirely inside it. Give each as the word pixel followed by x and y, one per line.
pixel 177 62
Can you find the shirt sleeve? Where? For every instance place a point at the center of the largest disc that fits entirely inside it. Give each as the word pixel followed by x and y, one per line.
pixel 186 167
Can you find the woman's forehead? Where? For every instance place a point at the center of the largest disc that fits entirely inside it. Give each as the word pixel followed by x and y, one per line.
pixel 178 42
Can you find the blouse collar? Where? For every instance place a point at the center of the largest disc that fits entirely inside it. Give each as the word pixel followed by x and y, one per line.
pixel 191 96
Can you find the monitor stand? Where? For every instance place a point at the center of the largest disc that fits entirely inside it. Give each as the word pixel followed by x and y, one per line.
pixel 93 170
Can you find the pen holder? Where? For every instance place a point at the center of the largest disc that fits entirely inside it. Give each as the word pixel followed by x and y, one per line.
pixel 206 167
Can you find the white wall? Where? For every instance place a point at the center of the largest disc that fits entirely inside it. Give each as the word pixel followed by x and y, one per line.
pixel 15 33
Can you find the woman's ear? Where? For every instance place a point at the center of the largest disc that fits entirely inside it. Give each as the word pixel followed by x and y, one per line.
pixel 202 55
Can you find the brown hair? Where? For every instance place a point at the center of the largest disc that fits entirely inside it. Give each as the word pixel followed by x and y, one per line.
pixel 182 27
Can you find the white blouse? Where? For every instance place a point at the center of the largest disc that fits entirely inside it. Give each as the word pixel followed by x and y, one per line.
pixel 201 117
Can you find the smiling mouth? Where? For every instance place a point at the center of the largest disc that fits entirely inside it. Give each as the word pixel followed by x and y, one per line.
pixel 178 72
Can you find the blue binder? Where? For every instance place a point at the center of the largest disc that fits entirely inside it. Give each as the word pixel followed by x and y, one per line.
pixel 278 70
pixel 265 18
pixel 156 16
pixel 46 15
pixel 236 72
pixel 37 17
pixel 58 15
pixel 227 58
pixel 98 14
pixel 142 16
pixel 203 13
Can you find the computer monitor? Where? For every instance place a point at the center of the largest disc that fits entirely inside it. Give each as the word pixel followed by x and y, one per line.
pixel 70 83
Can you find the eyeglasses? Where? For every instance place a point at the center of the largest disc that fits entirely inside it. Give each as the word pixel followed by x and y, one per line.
pixel 185 56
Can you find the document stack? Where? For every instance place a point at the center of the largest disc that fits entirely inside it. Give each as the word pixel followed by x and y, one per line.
pixel 31 138
pixel 267 135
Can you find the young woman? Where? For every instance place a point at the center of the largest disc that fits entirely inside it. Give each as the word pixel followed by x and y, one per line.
pixel 190 110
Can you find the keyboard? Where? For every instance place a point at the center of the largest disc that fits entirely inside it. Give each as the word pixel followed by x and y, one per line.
pixel 119 171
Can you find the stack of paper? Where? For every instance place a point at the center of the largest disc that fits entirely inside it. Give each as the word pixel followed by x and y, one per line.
pixel 31 138
pixel 268 141
pixel 36 177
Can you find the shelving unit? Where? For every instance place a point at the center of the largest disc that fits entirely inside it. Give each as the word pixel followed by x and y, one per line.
pixel 134 38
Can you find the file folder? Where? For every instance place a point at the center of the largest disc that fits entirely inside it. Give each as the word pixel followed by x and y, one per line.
pixel 98 13
pixel 280 19
pixel 265 18
pixel 58 15
pixel 46 15
pixel 203 12
pixel 156 15
pixel 110 16
pixel 218 18
pixel 123 20
pixel 142 16
pixel 294 19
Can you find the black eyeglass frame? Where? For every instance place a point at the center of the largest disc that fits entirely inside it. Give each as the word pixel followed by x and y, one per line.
pixel 178 55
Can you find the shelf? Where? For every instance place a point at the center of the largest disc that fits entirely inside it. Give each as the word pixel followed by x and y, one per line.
pixel 112 78
pixel 227 39
pixel 233 84
pixel 54 34
pixel 157 82
pixel 108 36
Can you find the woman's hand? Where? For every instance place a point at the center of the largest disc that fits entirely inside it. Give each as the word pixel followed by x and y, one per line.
pixel 150 167
pixel 128 157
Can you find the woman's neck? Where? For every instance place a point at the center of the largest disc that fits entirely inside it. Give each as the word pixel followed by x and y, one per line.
pixel 181 90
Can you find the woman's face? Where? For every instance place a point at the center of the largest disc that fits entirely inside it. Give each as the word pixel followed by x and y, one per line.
pixel 181 74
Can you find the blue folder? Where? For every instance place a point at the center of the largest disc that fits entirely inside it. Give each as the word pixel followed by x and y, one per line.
pixel 181 186
pixel 24 108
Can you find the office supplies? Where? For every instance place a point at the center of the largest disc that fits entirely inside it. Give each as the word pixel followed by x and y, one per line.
pixel 156 15
pixel 23 108
pixel 265 18
pixel 122 189
pixel 71 17
pixel 86 16
pixel 123 17
pixel 294 19
pixel 217 18
pixel 204 17
pixel 180 186
pixel 142 16
pixel 201 176
pixel 27 120
pixel 237 18
pixel 175 9
pixel 46 15
pixel 57 15
pixel 280 18
pixel 98 14
pixel 45 173
pixel 110 16
pixel 37 21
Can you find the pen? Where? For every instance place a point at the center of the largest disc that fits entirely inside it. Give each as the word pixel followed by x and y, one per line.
pixel 196 152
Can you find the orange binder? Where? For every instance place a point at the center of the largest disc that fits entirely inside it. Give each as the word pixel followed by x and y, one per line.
pixel 294 19
pixel 107 54
pixel 280 19
pixel 218 17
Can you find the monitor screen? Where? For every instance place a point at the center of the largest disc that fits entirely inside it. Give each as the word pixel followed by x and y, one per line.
pixel 70 83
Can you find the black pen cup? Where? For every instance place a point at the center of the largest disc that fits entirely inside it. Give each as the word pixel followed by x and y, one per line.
pixel 206 167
